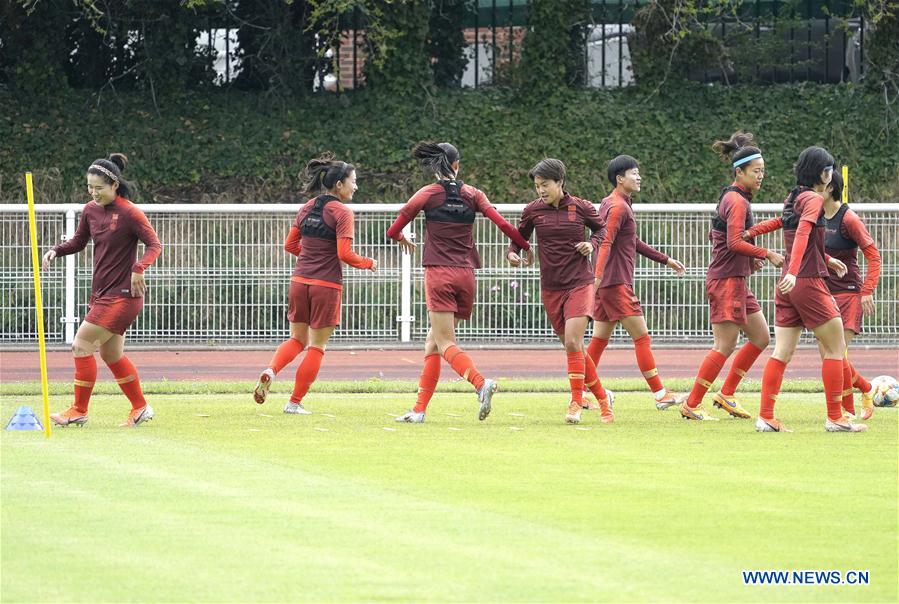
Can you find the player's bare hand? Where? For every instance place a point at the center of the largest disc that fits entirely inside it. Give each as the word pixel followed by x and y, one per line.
pixel 745 236
pixel 868 305
pixel 584 247
pixel 407 245
pixel 677 266
pixel 596 282
pixel 514 259
pixel 836 266
pixel 757 265
pixel 528 258
pixel 48 258
pixel 374 265
pixel 775 258
pixel 138 285
pixel 787 284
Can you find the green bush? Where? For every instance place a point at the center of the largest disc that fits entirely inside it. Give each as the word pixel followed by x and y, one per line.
pixel 226 146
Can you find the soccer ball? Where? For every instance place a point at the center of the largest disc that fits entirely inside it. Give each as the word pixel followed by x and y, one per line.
pixel 886 391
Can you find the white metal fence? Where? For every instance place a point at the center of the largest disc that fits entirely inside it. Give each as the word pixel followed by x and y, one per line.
pixel 223 278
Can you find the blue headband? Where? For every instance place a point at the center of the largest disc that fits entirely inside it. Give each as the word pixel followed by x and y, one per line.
pixel 746 159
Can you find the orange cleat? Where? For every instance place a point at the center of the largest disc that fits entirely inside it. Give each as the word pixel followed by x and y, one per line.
pixel 68 417
pixel 769 425
pixel 138 416
pixel 574 413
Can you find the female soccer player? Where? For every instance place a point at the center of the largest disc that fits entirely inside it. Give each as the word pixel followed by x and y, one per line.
pixel 449 258
pixel 733 306
pixel 845 233
pixel 115 225
pixel 802 298
pixel 566 278
pixel 615 300
pixel 321 238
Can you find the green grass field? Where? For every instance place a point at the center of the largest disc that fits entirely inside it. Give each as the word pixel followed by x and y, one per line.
pixel 219 499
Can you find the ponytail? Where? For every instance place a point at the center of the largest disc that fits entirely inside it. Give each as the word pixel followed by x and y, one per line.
pixel 323 173
pixel 437 158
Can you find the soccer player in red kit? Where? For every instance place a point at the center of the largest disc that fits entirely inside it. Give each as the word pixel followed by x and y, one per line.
pixel 321 238
pixel 566 276
pixel 450 258
pixel 615 300
pixel 115 225
pixel 844 234
pixel 802 298
pixel 733 305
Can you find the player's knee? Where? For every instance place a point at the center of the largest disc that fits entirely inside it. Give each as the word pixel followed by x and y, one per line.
pixel 761 341
pixel 725 348
pixel 110 356
pixel 81 348
pixel 573 344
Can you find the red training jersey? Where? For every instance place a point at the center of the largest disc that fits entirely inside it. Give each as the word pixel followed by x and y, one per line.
pixel 115 230
pixel 845 233
pixel 731 256
pixel 618 252
pixel 559 229
pixel 319 259
pixel 804 243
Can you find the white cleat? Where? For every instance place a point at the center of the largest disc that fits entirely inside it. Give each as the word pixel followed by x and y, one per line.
pixel 411 417
pixel 296 409
pixel 844 426
pixel 263 385
pixel 485 395
pixel 769 425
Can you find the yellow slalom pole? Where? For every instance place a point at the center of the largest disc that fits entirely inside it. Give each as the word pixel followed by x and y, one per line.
pixel 845 195
pixel 38 302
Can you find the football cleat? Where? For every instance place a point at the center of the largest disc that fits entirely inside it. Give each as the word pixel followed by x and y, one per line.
pixel 293 408
pixel 867 405
pixel 263 385
pixel 769 425
pixel 138 416
pixel 687 412
pixel 731 405
pixel 68 417
pixel 485 395
pixel 668 399
pixel 412 417
pixel 573 416
pixel 844 425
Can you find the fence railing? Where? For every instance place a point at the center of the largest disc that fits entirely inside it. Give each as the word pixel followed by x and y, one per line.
pixel 223 278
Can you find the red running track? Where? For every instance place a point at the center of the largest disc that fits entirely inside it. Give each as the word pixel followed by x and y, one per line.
pixel 245 365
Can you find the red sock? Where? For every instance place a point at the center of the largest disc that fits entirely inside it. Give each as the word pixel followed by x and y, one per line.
pixel 848 401
pixel 708 371
pixel 591 378
pixel 832 376
pixel 286 352
pixel 427 383
pixel 858 381
pixel 771 379
pixel 85 377
pixel 647 363
pixel 463 365
pixel 126 375
pixel 306 373
pixel 746 356
pixel 595 348
pixel 576 375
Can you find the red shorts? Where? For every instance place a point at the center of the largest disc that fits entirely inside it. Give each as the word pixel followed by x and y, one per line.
pixel 615 302
pixel 850 305
pixel 450 289
pixel 564 304
pixel 114 314
pixel 730 300
pixel 316 305
pixel 809 305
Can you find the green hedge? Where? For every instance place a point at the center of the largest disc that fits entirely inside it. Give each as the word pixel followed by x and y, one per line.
pixel 229 146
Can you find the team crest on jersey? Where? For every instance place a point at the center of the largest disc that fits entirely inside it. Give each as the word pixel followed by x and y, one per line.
pixel 113 222
pixel 572 213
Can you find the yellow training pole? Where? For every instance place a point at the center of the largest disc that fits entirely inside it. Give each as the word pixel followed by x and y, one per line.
pixel 845 196
pixel 38 302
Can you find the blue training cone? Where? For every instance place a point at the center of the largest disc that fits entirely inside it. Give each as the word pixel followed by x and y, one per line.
pixel 24 419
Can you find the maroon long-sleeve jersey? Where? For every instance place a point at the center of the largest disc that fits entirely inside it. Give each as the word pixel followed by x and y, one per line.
pixel 620 245
pixel 559 229
pixel 731 256
pixel 115 230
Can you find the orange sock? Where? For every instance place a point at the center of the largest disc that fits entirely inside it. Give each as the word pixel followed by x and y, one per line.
pixel 595 349
pixel 591 379
pixel 858 381
pixel 286 352
pixel 576 375
pixel 708 371
pixel 427 383
pixel 832 376
pixel 647 363
pixel 746 356
pixel 463 365
pixel 771 380
pixel 126 375
pixel 848 399
pixel 85 377
pixel 306 373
